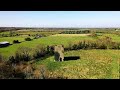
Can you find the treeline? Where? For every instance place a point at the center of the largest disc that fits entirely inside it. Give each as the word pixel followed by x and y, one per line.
pixel 27 54
pixel 4 29
pixel 76 32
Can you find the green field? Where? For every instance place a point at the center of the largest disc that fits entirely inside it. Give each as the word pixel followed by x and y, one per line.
pixel 100 64
pixel 93 64
pixel 50 40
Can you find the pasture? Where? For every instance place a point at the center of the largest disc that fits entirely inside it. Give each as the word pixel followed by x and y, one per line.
pixel 93 63
pixel 50 40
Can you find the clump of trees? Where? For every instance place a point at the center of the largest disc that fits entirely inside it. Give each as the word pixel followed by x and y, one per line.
pixel 22 54
pixel 16 41
pixel 39 51
pixel 28 39
pixel 76 32
pixel 26 54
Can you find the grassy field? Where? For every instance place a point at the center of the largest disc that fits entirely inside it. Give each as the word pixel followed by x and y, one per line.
pixel 93 64
pixel 100 64
pixel 70 35
pixel 50 40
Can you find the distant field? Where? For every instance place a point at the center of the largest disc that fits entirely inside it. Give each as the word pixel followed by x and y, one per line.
pixel 70 35
pixel 100 64
pixel 50 40
pixel 93 64
pixel 31 32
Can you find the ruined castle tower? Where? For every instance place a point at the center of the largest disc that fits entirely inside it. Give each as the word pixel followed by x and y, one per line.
pixel 59 53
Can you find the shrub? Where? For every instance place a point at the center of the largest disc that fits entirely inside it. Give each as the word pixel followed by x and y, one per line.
pixel 23 71
pixel 16 41
pixel 50 50
pixel 115 45
pixel 28 39
pixel 39 51
pixel 104 43
pixel 12 59
pixel 93 34
pixel 74 47
pixel 22 54
pixel 0 57
pixel 18 71
pixel 6 70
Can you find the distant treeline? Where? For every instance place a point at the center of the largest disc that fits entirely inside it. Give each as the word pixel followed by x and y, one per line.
pixel 76 32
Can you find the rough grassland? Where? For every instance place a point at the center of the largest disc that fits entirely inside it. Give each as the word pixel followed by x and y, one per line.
pixel 99 64
pixel 50 40
pixel 93 64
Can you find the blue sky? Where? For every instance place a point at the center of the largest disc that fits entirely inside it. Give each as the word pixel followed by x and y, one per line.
pixel 60 18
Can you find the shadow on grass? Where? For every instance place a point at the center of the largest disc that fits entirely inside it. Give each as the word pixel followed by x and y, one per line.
pixel 71 58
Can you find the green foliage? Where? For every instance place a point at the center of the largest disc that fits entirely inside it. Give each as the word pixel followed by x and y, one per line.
pixel 16 41
pixel 50 50
pixel 76 32
pixel 22 54
pixel 28 39
pixel 94 34
pixel 93 64
pixel 1 58
pixel 103 43
pixel 39 51
pixel 6 70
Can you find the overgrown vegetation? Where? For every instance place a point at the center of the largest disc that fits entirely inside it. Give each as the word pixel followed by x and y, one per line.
pixel 16 41
pixel 39 51
pixel 76 32
pixel 102 43
pixel 28 39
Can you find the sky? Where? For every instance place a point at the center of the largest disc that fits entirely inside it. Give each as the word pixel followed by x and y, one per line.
pixel 82 19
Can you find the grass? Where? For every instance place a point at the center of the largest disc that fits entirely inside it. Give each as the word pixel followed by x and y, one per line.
pixel 69 35
pixel 113 36
pixel 100 64
pixel 94 64
pixel 50 40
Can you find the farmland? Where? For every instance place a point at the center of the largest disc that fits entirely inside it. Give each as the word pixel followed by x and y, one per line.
pixel 93 63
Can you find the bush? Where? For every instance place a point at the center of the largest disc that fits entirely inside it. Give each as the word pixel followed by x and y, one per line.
pixel 23 71
pixel 50 50
pixel 6 70
pixel 39 51
pixel 28 39
pixel 93 34
pixel 22 54
pixel 18 71
pixel 16 41
pixel 115 45
pixel 74 47
pixel 103 43
pixel 1 57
